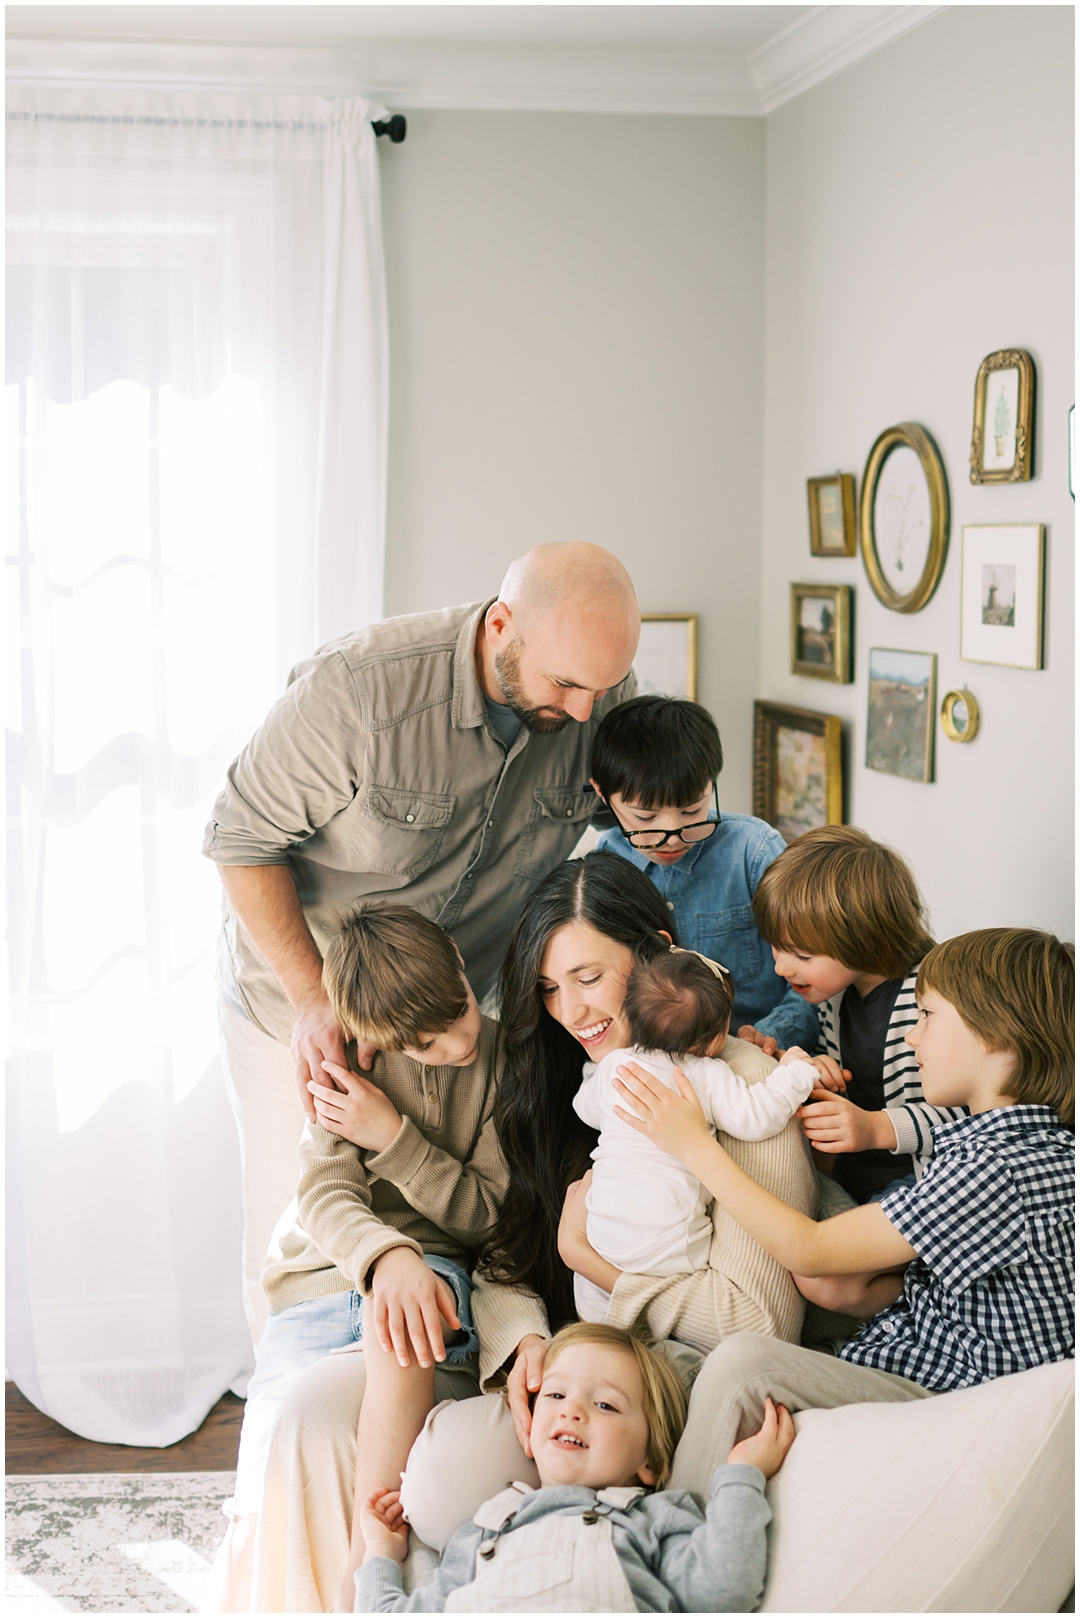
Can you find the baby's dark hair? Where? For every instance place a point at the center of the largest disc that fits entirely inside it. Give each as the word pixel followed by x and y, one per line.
pixel 677 1004
pixel 656 752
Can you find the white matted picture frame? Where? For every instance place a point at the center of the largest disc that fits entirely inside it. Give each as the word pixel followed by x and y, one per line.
pixel 666 661
pixel 1001 594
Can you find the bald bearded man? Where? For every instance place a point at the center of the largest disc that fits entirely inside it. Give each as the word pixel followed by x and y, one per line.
pixel 440 759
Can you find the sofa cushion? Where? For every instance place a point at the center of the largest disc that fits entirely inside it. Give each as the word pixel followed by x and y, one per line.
pixel 962 1503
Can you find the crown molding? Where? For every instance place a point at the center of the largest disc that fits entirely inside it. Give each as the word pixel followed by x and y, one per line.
pixel 827 40
pixel 413 75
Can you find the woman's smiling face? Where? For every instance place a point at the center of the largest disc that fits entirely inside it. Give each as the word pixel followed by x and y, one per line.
pixel 583 977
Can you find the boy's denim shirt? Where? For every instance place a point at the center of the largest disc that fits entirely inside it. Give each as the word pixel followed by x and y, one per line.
pixel 708 893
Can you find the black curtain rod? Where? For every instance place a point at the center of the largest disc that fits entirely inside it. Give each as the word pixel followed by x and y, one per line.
pixel 395 127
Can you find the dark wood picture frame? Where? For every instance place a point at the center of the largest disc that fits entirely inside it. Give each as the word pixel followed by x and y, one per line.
pixel 770 720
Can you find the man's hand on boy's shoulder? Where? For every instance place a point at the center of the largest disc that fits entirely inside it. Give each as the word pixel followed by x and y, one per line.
pixel 357 1110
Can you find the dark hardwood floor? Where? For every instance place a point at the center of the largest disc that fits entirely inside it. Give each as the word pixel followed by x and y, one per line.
pixel 36 1443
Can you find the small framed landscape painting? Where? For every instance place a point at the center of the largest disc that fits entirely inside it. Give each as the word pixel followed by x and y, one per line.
pixel 901 711
pixel 832 515
pixel 798 768
pixel 1001 594
pixel 1003 434
pixel 821 631
pixel 666 661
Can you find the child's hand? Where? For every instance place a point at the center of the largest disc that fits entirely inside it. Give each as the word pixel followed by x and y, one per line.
pixel 673 1120
pixel 767 1448
pixel 833 1124
pixel 794 1053
pixel 358 1111
pixel 754 1036
pixel 830 1074
pixel 383 1525
pixel 410 1304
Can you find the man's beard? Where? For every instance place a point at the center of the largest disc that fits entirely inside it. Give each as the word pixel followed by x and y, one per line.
pixel 541 721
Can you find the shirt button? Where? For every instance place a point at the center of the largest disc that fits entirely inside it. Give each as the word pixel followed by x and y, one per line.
pixel 468 876
pixel 433 1095
pixel 410 818
pixel 670 905
pixel 490 823
pixel 569 813
pixel 426 1068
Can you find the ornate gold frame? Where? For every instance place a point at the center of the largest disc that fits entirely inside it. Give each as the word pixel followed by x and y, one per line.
pixel 918 439
pixel 948 724
pixel 690 620
pixel 840 595
pixel 846 480
pixel 771 717
pixel 1006 359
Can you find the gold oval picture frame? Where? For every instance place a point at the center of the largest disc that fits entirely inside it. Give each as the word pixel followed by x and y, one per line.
pixel 956 727
pixel 907 435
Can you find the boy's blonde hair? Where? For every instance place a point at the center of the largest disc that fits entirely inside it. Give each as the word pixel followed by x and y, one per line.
pixel 836 892
pixel 662 1394
pixel 393 977
pixel 1014 988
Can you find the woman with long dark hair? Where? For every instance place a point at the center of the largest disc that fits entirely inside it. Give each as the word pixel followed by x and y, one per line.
pixel 562 990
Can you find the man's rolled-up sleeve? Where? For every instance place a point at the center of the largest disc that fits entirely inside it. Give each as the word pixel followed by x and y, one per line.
pixel 302 766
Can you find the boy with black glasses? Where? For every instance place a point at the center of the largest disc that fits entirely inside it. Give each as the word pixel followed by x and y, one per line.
pixel 654 763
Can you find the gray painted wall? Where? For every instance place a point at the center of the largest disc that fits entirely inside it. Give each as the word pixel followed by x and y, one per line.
pixel 576 341
pixel 919 217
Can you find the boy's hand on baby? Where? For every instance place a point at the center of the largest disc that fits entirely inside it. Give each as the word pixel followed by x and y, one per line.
pixel 357 1110
pixel 383 1525
pixel 410 1304
pixel 754 1036
pixel 768 1446
pixel 833 1124
pixel 673 1120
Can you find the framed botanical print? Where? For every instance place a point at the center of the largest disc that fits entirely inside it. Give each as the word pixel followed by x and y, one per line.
pixel 666 661
pixel 904 517
pixel 798 768
pixel 821 631
pixel 832 515
pixel 900 715
pixel 1001 594
pixel 1003 434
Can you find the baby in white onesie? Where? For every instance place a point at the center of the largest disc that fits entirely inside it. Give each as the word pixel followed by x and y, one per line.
pixel 646 1212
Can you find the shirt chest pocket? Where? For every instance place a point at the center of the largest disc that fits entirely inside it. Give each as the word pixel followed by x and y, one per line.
pixel 558 818
pixel 730 937
pixel 401 832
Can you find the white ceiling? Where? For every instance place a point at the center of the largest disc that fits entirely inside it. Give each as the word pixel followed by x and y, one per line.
pixel 736 30
pixel 733 60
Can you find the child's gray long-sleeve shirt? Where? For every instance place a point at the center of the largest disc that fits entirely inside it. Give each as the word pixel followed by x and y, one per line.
pixel 674 1559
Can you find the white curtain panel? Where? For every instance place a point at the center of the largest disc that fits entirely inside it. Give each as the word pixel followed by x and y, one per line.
pixel 196 407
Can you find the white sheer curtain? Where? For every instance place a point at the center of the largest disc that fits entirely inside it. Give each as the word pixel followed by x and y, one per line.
pixel 196 409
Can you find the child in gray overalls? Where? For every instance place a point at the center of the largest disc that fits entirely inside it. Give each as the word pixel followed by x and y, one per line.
pixel 601 1534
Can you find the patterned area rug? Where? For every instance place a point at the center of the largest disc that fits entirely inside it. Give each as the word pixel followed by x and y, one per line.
pixel 112 1541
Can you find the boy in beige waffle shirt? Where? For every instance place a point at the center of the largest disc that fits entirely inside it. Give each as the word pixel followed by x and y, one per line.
pixel 400 1180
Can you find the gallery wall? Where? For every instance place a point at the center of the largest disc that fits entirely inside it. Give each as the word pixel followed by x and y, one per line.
pixel 918 218
pixel 576 340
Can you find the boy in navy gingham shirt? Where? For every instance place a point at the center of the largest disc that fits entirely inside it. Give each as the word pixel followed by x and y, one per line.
pixel 981 1247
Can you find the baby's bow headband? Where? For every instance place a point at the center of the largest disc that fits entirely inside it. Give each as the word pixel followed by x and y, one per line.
pixel 714 966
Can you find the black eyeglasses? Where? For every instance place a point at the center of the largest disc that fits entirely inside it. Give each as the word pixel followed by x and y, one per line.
pixel 697 832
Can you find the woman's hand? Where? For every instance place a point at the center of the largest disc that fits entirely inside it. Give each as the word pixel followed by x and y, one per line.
pixel 673 1121
pixel 831 1123
pixel 575 1248
pixel 524 1380
pixel 410 1304
pixel 767 1447
pixel 383 1525
pixel 357 1110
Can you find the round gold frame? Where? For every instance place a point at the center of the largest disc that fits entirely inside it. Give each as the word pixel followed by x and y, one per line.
pixel 948 724
pixel 918 439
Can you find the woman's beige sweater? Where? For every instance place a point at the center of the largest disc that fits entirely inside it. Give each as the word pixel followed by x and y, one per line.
pixel 741 1290
pixel 436 1188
